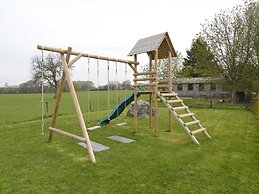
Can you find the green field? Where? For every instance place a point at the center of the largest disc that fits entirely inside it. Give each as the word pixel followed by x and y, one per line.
pixel 169 163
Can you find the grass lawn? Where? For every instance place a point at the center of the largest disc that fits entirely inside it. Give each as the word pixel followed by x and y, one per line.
pixel 170 163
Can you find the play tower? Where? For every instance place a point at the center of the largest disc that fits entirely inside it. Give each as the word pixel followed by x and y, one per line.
pixel 160 47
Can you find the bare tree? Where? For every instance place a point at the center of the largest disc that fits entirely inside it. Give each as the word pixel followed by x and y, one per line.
pixel 52 69
pixel 228 36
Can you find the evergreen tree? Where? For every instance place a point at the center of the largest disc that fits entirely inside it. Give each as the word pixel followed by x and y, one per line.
pixel 199 61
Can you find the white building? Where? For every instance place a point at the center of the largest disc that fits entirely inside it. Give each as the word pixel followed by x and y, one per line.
pixel 198 87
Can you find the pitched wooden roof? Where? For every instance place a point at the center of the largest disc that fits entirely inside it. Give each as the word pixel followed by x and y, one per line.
pixel 162 42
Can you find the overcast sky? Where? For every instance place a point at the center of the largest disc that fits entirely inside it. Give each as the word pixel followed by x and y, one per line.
pixel 102 27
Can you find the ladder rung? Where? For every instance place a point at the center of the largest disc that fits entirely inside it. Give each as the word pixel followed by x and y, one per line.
pixel 143 85
pixel 197 131
pixel 174 101
pixel 192 123
pixel 144 79
pixel 93 128
pixel 144 73
pixel 180 108
pixel 145 92
pixel 186 115
pixel 168 94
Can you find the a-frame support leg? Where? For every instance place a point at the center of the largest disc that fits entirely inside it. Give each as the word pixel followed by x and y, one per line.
pixel 170 89
pixel 150 95
pixel 78 109
pixel 155 95
pixel 135 100
pixel 59 96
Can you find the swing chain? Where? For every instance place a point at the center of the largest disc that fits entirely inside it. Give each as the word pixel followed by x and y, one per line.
pixel 126 72
pixel 88 92
pixel 108 87
pixel 98 91
pixel 117 90
pixel 42 93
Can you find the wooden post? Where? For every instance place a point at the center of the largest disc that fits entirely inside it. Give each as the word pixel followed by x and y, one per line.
pixel 47 109
pixel 135 99
pixel 170 85
pixel 59 95
pixel 156 95
pixel 150 95
pixel 78 110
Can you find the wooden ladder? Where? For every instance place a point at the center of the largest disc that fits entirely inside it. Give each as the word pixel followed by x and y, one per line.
pixel 187 119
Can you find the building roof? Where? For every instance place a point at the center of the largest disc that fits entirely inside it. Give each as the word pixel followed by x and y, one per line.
pixel 196 80
pixel 162 42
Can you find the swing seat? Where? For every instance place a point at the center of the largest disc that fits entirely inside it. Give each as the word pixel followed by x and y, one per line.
pixel 121 124
pixel 93 128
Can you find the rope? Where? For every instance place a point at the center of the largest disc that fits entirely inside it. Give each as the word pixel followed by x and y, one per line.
pixel 98 93
pixel 88 92
pixel 126 72
pixel 108 87
pixel 117 90
pixel 42 94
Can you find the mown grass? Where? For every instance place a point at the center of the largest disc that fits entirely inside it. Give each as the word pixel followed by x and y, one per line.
pixel 27 107
pixel 169 163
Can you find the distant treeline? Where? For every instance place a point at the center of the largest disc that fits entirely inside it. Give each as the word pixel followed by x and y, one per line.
pixel 31 86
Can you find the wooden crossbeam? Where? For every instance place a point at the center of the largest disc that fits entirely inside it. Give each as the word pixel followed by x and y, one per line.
pixel 145 85
pixel 63 51
pixel 67 134
pixel 146 92
pixel 144 79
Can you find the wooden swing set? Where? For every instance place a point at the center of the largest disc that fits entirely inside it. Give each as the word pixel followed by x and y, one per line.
pixel 157 47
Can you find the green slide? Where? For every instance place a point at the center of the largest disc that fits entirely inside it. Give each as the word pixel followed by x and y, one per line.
pixel 118 109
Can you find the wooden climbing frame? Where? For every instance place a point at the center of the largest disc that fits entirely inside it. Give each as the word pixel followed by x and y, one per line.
pixel 65 56
pixel 160 47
